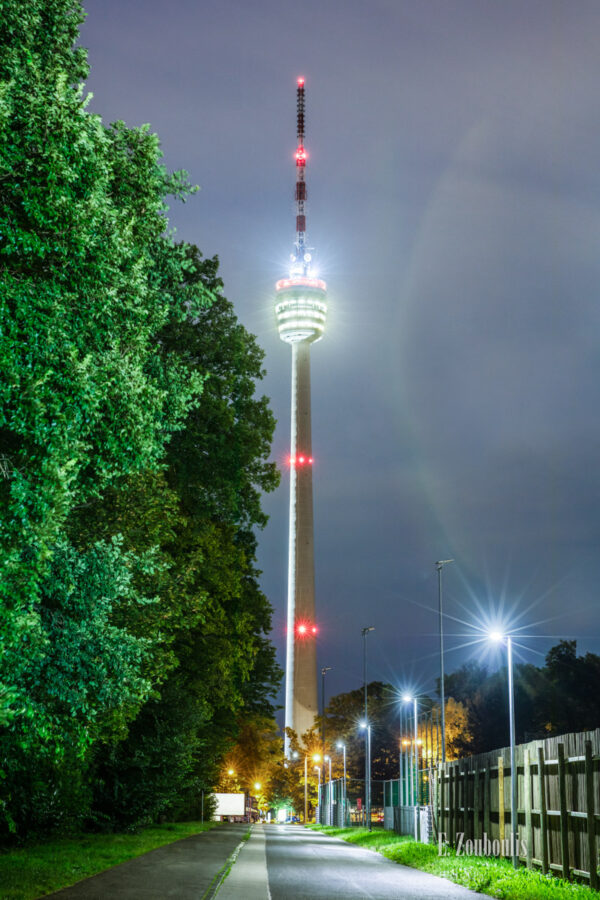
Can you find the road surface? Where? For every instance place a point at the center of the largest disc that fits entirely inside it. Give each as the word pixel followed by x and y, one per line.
pixel 278 862
pixel 290 863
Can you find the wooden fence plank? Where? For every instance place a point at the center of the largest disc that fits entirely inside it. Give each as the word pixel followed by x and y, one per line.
pixel 476 817
pixel 564 822
pixel 527 804
pixel 452 808
pixel 441 799
pixel 465 798
pixel 486 801
pixel 591 823
pixel 543 809
pixel 501 803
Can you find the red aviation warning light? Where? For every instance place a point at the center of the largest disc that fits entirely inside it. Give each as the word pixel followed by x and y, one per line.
pixel 301 82
pixel 300 460
pixel 306 629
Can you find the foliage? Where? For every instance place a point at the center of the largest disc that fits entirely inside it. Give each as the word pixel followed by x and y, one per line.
pixel 132 627
pixel 557 698
pixel 84 398
pixel 214 658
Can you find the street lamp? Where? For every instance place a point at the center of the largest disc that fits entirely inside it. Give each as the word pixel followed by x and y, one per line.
pixel 365 631
pixel 342 747
pixel 439 566
pixel 257 787
pixel 316 758
pixel 329 799
pixel 324 671
pixel 368 773
pixel 407 698
pixel 499 638
pixel 318 770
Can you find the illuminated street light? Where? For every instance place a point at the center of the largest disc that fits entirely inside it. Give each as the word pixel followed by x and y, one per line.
pixel 316 758
pixel 439 566
pixel 365 631
pixel 368 773
pixel 329 798
pixel 498 638
pixel 408 698
pixel 318 770
pixel 342 746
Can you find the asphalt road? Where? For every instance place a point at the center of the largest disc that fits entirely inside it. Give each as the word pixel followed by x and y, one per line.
pixel 277 863
pixel 306 865
pixel 183 870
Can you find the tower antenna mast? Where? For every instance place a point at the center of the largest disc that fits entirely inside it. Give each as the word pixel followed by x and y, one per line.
pixel 301 263
pixel 301 313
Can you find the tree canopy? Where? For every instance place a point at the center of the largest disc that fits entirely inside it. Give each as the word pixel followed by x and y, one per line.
pixel 133 456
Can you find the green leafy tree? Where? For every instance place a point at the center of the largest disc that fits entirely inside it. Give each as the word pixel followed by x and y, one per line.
pixel 214 654
pixel 88 398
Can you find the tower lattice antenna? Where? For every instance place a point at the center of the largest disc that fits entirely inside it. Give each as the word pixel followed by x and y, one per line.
pixel 301 262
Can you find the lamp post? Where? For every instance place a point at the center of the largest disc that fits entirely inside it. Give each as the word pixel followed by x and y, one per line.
pixel 368 774
pixel 329 803
pixel 407 698
pixel 365 631
pixel 316 758
pixel 342 747
pixel 324 672
pixel 498 637
pixel 439 566
pixel 318 770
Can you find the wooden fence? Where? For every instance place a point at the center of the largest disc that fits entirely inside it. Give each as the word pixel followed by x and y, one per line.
pixel 558 802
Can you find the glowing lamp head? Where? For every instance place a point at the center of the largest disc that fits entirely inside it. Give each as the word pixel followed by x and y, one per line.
pixel 406 698
pixel 363 724
pixel 230 772
pixel 257 785
pixel 317 757
pixel 301 82
pixel 339 745
pixel 496 636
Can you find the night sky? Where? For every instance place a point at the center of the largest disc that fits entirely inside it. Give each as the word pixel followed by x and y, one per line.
pixel 454 204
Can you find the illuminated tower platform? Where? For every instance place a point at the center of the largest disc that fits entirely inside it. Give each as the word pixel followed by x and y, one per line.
pixel 301 311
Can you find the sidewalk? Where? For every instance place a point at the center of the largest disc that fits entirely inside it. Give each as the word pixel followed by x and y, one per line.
pixel 248 877
pixel 184 869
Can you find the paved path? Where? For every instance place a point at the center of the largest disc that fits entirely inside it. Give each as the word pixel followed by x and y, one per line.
pixel 306 865
pixel 184 870
pixel 277 863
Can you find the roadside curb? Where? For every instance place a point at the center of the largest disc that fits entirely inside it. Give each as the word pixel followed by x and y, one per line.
pixel 215 885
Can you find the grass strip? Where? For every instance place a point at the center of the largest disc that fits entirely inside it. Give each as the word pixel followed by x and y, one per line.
pixel 38 869
pixel 486 875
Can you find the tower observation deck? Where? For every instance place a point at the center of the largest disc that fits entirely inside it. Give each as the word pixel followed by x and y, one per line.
pixel 301 312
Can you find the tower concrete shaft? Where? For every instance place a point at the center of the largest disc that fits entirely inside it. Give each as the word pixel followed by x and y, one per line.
pixel 301 701
pixel 301 312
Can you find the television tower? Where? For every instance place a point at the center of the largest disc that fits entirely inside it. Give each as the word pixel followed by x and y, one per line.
pixel 301 310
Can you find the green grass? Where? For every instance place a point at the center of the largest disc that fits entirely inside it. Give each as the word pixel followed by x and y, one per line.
pixel 39 869
pixel 495 877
